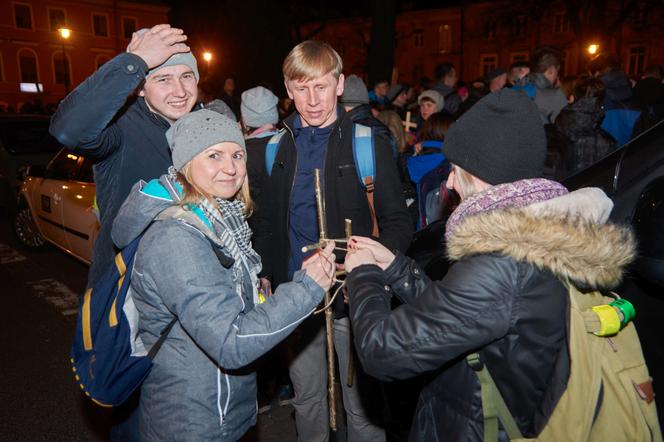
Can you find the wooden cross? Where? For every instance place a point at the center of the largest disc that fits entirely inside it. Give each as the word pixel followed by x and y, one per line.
pixel 407 124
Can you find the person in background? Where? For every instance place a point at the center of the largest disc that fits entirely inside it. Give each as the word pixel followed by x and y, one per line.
pixel 518 70
pixel 496 79
pixel 541 84
pixel 355 101
pixel 621 109
pixel 446 82
pixel 398 97
pixel 428 169
pixel 195 263
pixel 229 96
pixel 581 140
pixel 567 86
pixel 513 240
pixel 379 93
pixel 649 90
pixel 259 117
pixel 430 102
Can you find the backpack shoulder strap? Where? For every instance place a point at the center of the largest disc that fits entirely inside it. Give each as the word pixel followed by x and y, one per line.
pixel 494 407
pixel 365 165
pixel 271 150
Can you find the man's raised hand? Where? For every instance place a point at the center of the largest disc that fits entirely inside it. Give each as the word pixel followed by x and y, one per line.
pixel 157 44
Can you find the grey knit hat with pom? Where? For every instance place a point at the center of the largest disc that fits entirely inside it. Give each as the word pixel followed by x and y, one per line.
pixel 196 131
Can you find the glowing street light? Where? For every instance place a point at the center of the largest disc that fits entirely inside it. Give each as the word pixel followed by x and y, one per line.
pixel 593 49
pixel 207 56
pixel 65 33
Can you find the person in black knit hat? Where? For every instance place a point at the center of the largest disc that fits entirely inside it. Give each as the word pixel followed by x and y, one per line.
pixel 513 240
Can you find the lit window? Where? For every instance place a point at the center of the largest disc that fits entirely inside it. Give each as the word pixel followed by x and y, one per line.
pixel 23 16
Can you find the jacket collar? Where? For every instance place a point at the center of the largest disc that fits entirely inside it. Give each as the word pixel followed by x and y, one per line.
pixel 565 235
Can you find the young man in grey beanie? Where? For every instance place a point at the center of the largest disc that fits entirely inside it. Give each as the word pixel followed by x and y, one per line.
pixel 118 117
pixel 259 120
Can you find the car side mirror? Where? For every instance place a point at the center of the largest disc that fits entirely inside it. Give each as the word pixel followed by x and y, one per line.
pixel 36 171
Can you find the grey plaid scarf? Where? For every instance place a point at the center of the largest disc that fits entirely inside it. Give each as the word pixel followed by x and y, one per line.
pixel 231 227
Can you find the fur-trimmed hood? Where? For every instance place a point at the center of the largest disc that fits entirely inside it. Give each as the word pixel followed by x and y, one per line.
pixel 565 235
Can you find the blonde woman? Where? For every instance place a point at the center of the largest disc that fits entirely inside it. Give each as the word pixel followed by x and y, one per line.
pixel 195 264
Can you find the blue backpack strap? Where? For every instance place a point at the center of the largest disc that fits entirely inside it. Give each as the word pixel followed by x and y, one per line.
pixel 365 165
pixel 528 88
pixel 271 150
pixel 363 152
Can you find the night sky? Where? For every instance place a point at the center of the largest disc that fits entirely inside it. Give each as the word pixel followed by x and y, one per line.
pixel 250 38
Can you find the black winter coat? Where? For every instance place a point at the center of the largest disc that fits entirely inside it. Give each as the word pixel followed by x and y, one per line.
pixel 502 298
pixel 583 141
pixel 344 198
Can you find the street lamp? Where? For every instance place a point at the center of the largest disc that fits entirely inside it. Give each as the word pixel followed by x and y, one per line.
pixel 207 56
pixel 65 33
pixel 593 48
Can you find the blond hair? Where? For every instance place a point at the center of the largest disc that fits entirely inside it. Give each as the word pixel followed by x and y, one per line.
pixel 393 122
pixel 465 182
pixel 192 194
pixel 312 59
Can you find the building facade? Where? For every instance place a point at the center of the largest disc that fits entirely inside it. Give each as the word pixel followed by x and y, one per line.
pixel 38 65
pixel 482 36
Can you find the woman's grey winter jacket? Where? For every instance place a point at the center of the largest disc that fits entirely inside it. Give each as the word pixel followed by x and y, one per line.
pixel 200 386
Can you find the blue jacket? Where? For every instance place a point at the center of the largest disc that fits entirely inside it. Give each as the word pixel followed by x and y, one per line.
pixel 125 139
pixel 621 110
pixel 200 386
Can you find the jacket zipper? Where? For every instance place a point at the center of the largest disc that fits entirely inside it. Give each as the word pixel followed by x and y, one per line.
pixel 290 194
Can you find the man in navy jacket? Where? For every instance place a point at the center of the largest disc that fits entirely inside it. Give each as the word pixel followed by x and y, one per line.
pixel 119 116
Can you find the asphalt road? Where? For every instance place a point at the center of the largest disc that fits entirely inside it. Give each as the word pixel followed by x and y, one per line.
pixel 39 400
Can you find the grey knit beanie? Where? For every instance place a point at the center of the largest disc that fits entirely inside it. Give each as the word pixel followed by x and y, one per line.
pixel 259 107
pixel 355 92
pixel 196 131
pixel 185 58
pixel 500 139
pixel 434 96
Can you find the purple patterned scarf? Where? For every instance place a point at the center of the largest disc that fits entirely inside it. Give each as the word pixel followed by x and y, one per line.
pixel 504 196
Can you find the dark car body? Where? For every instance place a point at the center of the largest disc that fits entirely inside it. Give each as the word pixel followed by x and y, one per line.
pixel 24 141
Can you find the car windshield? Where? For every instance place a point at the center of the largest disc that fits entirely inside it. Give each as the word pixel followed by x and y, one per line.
pixel 27 137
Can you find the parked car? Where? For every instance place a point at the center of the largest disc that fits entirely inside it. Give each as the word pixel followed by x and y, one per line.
pixel 56 204
pixel 24 141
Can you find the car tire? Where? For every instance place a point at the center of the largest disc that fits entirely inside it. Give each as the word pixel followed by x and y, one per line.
pixel 26 230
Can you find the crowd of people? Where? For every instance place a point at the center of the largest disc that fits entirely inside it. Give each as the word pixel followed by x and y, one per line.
pixel 223 192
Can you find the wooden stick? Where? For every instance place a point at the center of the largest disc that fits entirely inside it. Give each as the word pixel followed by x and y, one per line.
pixel 348 230
pixel 329 320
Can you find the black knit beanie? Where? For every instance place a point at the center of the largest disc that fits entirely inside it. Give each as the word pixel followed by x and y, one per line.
pixel 500 139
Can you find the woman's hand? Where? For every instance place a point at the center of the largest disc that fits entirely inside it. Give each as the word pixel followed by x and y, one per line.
pixel 362 250
pixel 320 266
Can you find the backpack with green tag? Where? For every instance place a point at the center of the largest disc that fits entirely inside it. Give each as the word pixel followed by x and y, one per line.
pixel 609 394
